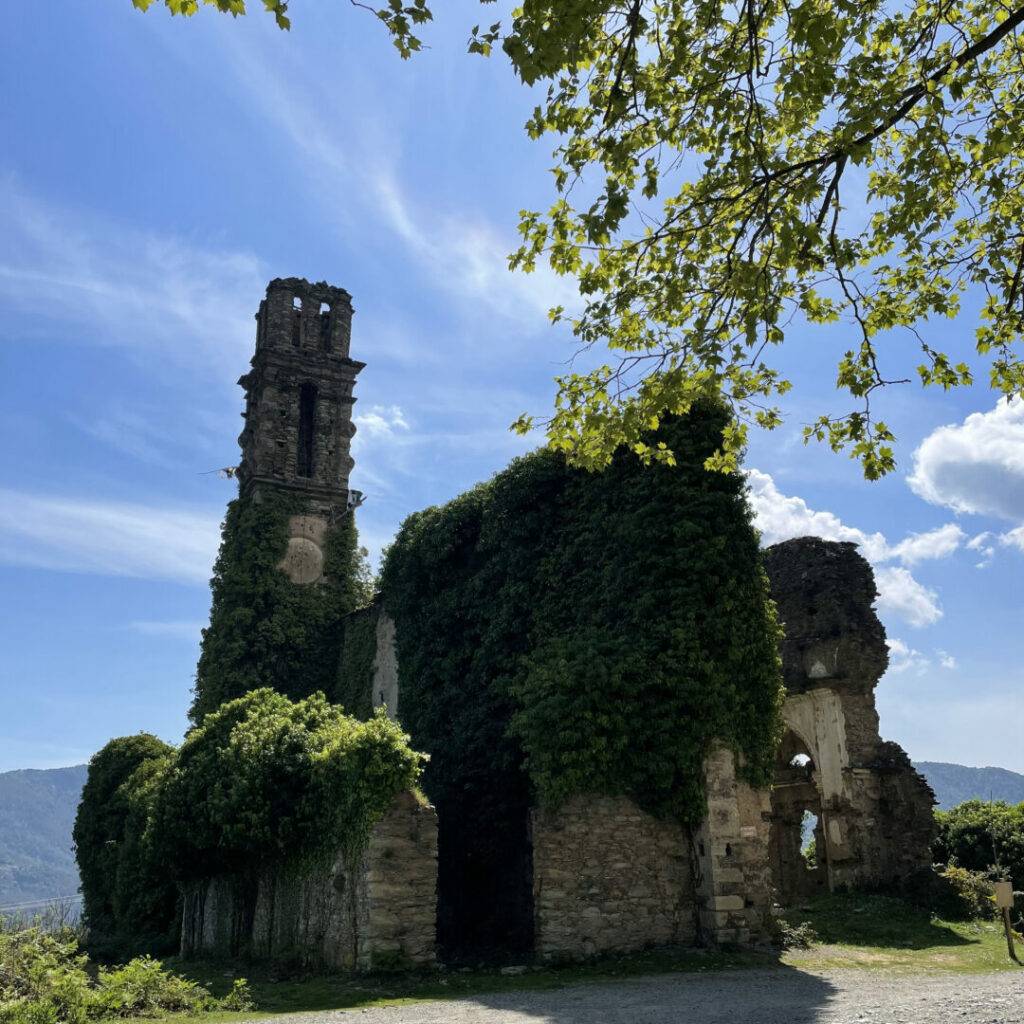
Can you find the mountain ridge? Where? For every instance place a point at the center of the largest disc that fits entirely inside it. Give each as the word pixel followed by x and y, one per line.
pixel 37 813
pixel 955 783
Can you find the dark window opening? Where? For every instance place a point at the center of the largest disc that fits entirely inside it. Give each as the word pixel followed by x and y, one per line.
pixel 325 327
pixel 307 424
pixel 296 321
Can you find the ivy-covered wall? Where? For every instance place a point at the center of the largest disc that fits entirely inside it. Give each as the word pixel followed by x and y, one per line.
pixel 353 688
pixel 562 632
pixel 264 629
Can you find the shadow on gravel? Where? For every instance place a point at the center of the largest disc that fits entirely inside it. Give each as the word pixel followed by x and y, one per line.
pixel 776 995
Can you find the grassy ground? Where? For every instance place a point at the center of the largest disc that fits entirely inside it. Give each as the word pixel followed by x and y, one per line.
pixel 883 933
pixel 853 932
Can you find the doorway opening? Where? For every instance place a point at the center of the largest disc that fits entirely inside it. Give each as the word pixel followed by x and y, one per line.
pixel 798 849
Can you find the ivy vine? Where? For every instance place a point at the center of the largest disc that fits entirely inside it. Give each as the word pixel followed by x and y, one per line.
pixel 595 632
pixel 264 629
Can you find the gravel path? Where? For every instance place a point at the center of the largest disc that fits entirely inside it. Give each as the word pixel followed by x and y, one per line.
pixel 775 996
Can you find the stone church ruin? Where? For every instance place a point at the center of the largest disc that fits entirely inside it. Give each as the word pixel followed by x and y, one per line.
pixel 496 872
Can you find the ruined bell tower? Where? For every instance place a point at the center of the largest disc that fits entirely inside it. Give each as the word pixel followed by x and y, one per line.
pixel 298 413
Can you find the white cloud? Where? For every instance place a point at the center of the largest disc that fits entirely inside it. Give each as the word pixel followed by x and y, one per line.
pixel 938 543
pixel 946 660
pixel 901 594
pixel 904 658
pixel 191 304
pixel 108 538
pixel 380 421
pixel 983 544
pixel 189 631
pixel 467 255
pixel 976 466
pixel 1014 538
pixel 781 517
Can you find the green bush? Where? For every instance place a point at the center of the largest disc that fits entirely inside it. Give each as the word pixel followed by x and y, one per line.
pixel 126 890
pixel 963 895
pixel 983 836
pixel 265 778
pixel 45 979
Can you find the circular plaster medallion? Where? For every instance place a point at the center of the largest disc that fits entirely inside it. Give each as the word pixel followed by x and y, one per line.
pixel 303 560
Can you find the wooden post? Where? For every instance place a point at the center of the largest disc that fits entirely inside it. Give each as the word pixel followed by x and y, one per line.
pixel 1004 901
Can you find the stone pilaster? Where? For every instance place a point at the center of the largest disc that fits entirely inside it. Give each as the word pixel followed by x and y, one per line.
pixel 732 882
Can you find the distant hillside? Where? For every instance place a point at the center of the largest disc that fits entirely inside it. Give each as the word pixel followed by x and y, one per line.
pixel 37 811
pixel 955 783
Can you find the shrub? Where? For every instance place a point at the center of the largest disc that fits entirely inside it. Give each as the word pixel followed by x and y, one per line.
pixel 801 936
pixel 45 979
pixel 532 626
pixel 962 895
pixel 265 778
pixel 983 836
pixel 125 889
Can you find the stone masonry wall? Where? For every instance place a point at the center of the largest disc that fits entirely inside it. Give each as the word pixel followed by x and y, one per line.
pixel 378 911
pixel 608 878
pixel 733 879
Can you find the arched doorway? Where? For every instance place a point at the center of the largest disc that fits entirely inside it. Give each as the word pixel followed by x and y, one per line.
pixel 797 846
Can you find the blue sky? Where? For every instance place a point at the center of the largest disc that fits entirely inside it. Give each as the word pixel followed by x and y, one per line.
pixel 157 172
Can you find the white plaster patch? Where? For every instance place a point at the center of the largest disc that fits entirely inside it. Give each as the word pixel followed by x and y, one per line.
pixel 385 667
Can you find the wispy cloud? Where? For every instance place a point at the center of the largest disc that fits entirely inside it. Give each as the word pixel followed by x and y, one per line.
pixel 469 256
pixel 174 630
pixel 904 658
pixel 189 302
pixel 107 538
pixel 460 251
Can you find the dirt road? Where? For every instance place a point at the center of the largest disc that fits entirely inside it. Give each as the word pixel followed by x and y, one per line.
pixel 776 996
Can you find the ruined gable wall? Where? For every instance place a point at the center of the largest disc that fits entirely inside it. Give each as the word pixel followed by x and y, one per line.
pixel 877 809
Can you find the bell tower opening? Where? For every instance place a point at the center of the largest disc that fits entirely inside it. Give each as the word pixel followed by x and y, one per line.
pixel 307 430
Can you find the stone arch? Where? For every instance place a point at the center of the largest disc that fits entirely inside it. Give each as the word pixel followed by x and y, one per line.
pixel 795 793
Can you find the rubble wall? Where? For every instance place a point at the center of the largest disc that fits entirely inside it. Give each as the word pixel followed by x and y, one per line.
pixel 375 910
pixel 609 877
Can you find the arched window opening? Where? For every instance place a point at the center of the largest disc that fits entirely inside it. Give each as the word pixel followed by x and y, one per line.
pixel 307 425
pixel 809 828
pixel 798 851
pixel 296 321
pixel 325 327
